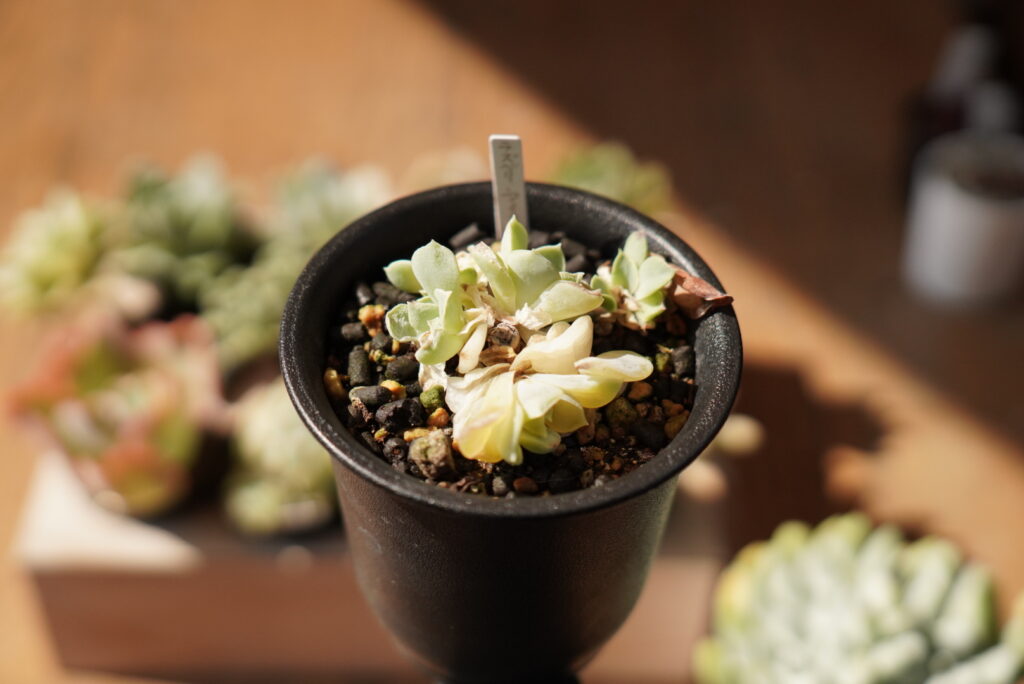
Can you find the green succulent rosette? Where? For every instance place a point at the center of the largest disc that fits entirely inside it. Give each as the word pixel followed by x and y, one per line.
pixel 851 604
pixel 243 304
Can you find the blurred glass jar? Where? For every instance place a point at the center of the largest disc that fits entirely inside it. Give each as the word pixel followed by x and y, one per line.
pixel 130 407
pixel 965 239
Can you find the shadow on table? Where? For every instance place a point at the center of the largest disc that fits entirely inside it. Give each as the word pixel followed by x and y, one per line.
pixel 785 479
pixel 784 124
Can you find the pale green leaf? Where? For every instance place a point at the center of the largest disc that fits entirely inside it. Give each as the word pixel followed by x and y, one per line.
pixel 554 254
pixel 435 268
pixel 468 276
pixel 609 301
pixel 515 236
pixel 531 273
pixel 599 283
pixel 625 273
pixel 537 437
pixel 497 275
pixel 401 275
pixel 655 274
pixel 449 310
pixel 966 622
pixel 398 323
pixel 440 346
pixel 563 300
pixel 421 312
pixel 566 416
pixel 650 307
pixel 1013 632
pixel 636 247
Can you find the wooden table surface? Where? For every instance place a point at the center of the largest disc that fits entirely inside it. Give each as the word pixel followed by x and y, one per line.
pixel 781 126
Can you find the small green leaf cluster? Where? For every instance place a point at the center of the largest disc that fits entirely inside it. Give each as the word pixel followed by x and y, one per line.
pixel 181 231
pixel 635 283
pixel 612 170
pixel 53 251
pixel 848 603
pixel 462 295
pixel 438 320
pixel 243 304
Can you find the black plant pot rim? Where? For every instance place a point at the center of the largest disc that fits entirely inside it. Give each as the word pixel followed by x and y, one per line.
pixel 344 446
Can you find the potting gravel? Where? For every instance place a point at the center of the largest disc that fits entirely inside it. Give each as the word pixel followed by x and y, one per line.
pixel 371 380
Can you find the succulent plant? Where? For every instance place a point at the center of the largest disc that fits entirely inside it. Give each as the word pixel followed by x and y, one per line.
pixel 464 295
pixel 282 481
pixel 53 251
pixel 611 169
pixel 316 200
pixel 244 304
pixel 846 603
pixel 531 395
pixel 130 407
pixel 181 231
pixel 634 285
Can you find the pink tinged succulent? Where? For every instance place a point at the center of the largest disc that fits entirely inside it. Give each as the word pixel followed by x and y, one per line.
pixel 130 405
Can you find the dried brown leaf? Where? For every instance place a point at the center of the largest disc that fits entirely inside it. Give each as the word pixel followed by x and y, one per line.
pixel 696 296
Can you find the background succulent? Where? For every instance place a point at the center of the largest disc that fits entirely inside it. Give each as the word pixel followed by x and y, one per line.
pixel 282 480
pixel 130 406
pixel 611 169
pixel 634 285
pixel 846 603
pixel 54 250
pixel 181 242
pixel 243 304
pixel 181 231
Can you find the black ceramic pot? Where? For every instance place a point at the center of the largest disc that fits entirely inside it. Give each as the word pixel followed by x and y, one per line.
pixel 480 589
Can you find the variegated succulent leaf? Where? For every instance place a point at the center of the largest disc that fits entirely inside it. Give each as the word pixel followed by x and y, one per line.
pixel 635 283
pixel 543 392
pixel 529 404
pixel 524 286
